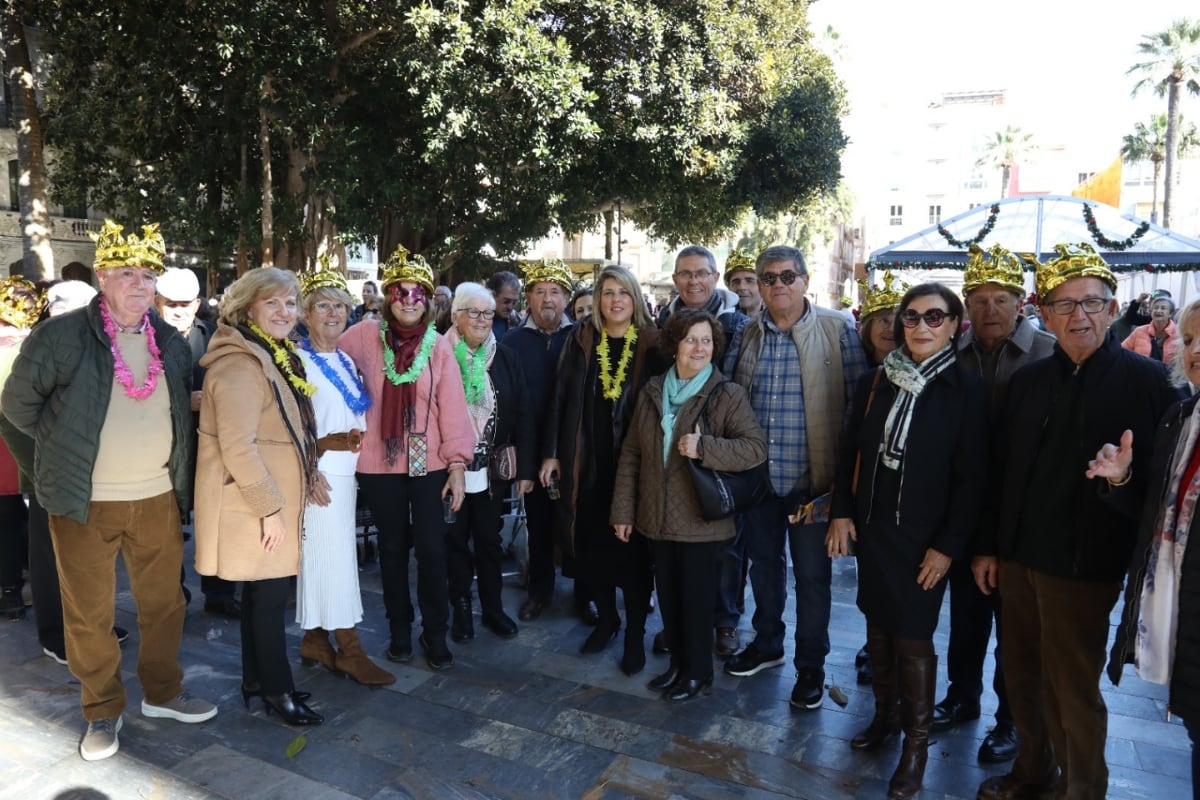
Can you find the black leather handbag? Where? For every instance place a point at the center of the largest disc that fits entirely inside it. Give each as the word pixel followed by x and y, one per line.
pixel 722 494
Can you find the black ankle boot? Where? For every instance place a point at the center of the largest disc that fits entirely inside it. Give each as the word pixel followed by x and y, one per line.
pixel 600 637
pixel 293 710
pixel 462 627
pixel 665 681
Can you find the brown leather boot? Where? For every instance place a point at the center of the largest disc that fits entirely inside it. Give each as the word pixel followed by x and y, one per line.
pixel 886 722
pixel 918 677
pixel 354 662
pixel 316 649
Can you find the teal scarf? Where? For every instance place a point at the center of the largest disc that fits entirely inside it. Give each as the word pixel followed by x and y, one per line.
pixel 675 394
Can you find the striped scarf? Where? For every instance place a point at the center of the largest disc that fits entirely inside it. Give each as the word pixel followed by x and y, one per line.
pixel 911 379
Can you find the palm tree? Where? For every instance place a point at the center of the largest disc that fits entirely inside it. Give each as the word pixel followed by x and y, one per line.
pixel 1004 150
pixel 1172 63
pixel 1149 143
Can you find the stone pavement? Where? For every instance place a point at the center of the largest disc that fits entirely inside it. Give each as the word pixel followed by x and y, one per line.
pixel 526 718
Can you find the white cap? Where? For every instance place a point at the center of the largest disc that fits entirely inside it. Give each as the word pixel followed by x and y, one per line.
pixel 68 296
pixel 178 285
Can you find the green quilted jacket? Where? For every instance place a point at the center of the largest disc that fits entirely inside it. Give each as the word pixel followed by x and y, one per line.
pixel 58 394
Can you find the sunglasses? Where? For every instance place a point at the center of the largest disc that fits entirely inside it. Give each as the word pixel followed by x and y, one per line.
pixel 934 318
pixel 416 294
pixel 788 278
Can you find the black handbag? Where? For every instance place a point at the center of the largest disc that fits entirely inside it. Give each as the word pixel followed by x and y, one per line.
pixel 722 494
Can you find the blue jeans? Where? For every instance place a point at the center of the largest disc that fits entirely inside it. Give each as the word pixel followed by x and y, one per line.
pixel 766 530
pixel 729 577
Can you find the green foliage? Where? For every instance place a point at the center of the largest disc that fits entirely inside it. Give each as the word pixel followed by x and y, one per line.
pixel 805 226
pixel 452 126
pixel 1148 142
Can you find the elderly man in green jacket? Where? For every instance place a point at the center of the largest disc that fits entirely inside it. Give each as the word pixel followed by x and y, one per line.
pixel 105 394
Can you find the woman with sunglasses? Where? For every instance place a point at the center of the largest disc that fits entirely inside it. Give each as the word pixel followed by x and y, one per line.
pixel 503 420
pixel 418 444
pixel 909 491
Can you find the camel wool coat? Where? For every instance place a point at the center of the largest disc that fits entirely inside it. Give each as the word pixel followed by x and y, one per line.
pixel 249 462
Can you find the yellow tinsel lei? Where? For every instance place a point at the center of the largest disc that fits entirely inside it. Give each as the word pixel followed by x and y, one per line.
pixel 612 385
pixel 280 356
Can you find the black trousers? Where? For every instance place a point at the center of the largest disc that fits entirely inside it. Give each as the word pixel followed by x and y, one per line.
pixel 264 646
pixel 686 575
pixel 539 521
pixel 408 514
pixel 215 588
pixel 971 615
pixel 1193 731
pixel 14 543
pixel 43 580
pixel 478 523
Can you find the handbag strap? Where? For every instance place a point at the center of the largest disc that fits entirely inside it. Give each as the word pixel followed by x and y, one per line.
pixel 858 455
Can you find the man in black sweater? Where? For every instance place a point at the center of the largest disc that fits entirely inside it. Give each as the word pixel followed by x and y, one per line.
pixel 1062 540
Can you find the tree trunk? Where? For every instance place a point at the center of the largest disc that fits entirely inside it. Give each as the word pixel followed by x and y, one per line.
pixel 1154 193
pixel 31 165
pixel 242 258
pixel 264 143
pixel 608 233
pixel 1172 145
pixel 1005 174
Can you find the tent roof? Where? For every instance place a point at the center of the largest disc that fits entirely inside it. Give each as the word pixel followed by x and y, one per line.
pixel 1034 224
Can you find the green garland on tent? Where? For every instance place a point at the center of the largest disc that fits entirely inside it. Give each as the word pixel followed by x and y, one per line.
pixel 988 224
pixel 1192 266
pixel 1109 244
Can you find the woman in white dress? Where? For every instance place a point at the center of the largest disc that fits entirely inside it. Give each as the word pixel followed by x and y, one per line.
pixel 327 594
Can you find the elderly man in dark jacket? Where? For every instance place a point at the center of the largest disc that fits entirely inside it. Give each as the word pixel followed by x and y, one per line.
pixel 1063 540
pixel 113 456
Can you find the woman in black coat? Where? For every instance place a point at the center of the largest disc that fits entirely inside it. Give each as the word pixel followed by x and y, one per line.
pixel 1160 624
pixel 909 490
pixel 604 365
pixel 500 414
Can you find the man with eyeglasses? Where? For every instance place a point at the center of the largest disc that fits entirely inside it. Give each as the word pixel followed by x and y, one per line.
pixel 799 362
pixel 1062 541
pixel 999 341
pixel 696 278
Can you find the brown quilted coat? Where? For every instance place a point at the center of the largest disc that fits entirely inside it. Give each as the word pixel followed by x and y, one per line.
pixel 659 500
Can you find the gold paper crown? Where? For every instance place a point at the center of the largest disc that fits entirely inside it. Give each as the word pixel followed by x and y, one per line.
pixel 553 270
pixel 20 302
pixel 997 265
pixel 738 262
pixel 1074 261
pixel 887 294
pixel 323 277
pixel 115 250
pixel 400 267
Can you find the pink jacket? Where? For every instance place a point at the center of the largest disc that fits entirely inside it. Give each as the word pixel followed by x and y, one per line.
pixel 1139 341
pixel 449 431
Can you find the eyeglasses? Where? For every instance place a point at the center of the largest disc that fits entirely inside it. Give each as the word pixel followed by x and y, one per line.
pixel 326 307
pixel 1091 305
pixel 934 318
pixel 416 294
pixel 475 313
pixel 692 341
pixel 693 276
pixel 788 278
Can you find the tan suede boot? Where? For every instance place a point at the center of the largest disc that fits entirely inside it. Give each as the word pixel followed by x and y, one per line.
pixel 316 649
pixel 354 662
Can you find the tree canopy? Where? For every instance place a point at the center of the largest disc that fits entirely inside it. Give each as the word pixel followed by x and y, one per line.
pixel 448 126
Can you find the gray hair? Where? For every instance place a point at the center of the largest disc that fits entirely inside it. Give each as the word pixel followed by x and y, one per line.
pixel 324 293
pixel 467 292
pixel 777 253
pixel 697 250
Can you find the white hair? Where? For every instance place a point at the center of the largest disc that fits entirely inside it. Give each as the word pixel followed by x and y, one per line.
pixel 466 292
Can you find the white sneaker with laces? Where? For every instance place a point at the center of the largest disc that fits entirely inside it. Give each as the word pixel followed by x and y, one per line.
pixel 100 740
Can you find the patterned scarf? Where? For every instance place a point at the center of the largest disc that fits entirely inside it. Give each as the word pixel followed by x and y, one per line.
pixel 1158 617
pixel 308 417
pixel 481 410
pixel 911 379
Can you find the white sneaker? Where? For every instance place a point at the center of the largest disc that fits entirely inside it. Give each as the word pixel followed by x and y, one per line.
pixel 100 741
pixel 183 708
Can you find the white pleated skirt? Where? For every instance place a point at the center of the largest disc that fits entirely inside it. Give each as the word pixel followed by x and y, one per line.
pixel 327 594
